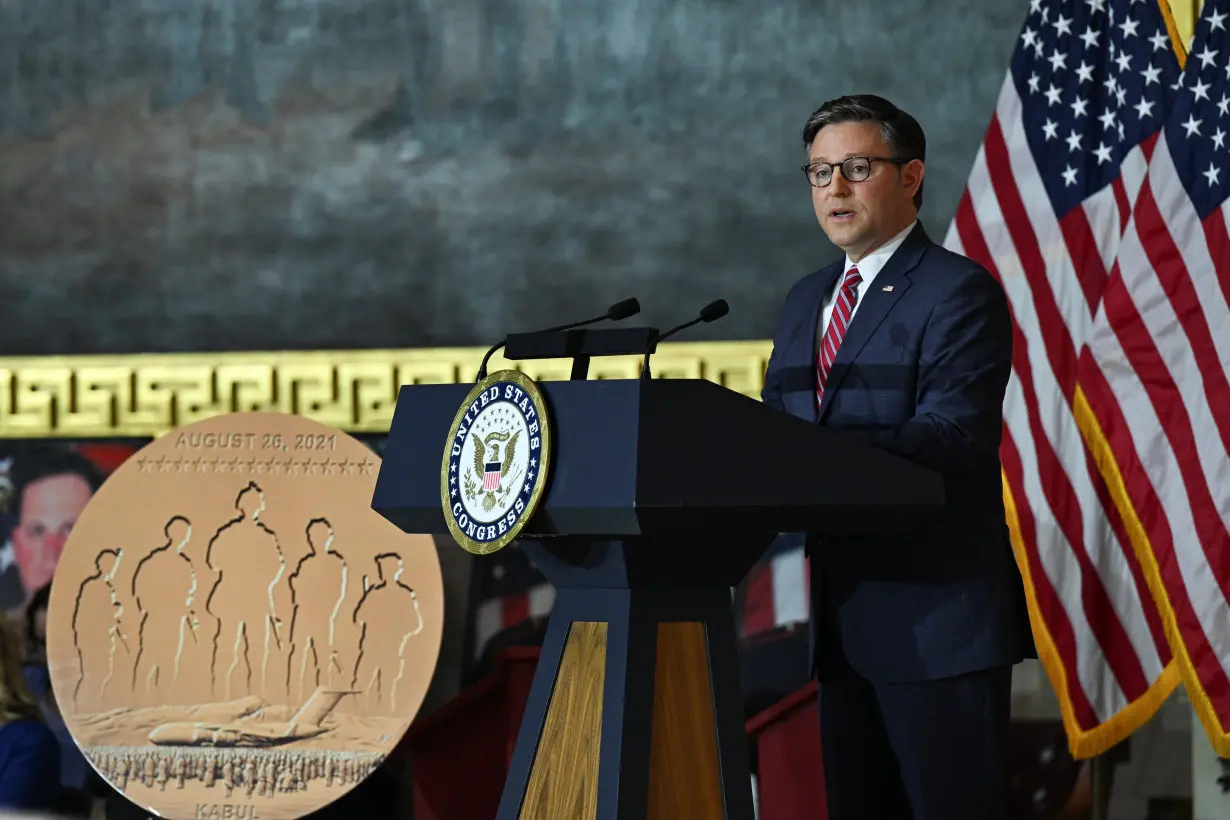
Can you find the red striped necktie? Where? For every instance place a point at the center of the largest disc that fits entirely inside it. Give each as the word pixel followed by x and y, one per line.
pixel 839 323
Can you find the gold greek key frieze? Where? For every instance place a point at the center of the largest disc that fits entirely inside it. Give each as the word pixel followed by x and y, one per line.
pixel 144 395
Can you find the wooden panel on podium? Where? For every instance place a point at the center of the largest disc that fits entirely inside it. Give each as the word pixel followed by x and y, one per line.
pixel 655 708
pixel 564 779
pixel 684 769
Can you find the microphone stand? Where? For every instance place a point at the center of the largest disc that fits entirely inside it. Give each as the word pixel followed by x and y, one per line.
pixel 709 313
pixel 617 311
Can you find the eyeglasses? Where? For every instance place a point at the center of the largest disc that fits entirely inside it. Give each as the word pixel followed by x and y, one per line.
pixel 853 169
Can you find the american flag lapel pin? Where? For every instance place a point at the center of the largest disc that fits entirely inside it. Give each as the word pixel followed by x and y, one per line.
pixel 888 288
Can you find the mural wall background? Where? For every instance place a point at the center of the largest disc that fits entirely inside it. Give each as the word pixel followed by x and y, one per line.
pixel 218 174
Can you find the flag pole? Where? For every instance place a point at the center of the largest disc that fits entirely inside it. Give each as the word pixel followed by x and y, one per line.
pixel 1102 777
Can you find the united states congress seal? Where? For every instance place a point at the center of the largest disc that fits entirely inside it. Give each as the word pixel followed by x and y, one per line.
pixel 496 462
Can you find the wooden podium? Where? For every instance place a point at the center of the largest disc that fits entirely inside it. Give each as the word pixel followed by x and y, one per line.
pixel 662 495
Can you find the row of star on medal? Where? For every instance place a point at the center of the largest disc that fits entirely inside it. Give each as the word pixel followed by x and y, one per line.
pixel 257 466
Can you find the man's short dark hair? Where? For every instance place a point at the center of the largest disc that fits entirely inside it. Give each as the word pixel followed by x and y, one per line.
pixel 45 461
pixel 901 132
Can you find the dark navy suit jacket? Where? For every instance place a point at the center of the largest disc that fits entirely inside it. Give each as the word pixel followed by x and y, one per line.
pixel 29 766
pixel 922 374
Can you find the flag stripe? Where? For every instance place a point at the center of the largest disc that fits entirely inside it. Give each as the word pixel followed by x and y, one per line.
pixel 1174 384
pixel 1079 233
pixel 1216 289
pixel 756 616
pixel 1065 570
pixel 1048 201
pixel 1071 575
pixel 1153 618
pixel 515 609
pixel 1054 619
pixel 1066 479
pixel 1047 583
pixel 1028 216
pixel 1092 235
pixel 1075 273
pixel 776 593
pixel 1124 212
pixel 1155 370
pixel 1093 254
pixel 1219 248
pixel 1144 498
pixel 1186 581
pixel 1197 303
pixel 1155 397
pixel 499 613
pixel 542 600
pixel 790 588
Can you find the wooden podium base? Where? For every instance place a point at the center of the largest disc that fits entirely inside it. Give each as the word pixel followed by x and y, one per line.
pixel 635 711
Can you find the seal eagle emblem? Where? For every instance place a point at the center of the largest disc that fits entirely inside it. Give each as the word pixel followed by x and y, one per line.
pixel 496 462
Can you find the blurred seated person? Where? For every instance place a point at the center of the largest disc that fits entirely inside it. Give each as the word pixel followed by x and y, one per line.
pixel 29 751
pixel 78 780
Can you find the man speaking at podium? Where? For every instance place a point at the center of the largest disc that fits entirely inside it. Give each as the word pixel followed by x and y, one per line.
pixel 908 347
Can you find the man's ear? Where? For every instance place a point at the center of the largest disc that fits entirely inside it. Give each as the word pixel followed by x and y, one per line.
pixel 912 174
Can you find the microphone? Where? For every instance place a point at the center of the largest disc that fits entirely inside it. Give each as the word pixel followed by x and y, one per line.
pixel 617 311
pixel 709 313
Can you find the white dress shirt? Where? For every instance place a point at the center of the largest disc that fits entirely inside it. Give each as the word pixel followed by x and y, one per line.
pixel 871 265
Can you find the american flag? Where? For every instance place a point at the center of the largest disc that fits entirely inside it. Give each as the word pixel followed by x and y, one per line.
pixel 506 591
pixel 491 478
pixel 1155 365
pixel 1084 201
pixel 775 593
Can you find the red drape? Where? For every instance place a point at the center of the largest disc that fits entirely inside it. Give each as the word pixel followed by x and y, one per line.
pixel 460 752
pixel 791 771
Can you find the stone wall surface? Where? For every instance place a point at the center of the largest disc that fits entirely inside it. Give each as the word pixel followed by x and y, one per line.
pixel 271 174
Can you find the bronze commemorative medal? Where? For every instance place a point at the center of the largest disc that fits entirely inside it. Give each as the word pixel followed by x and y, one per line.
pixel 496 462
pixel 233 631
